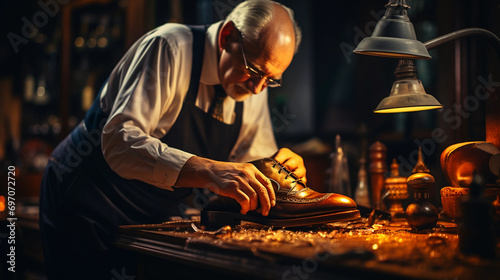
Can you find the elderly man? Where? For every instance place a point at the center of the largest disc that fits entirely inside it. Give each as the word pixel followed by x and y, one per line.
pixel 185 108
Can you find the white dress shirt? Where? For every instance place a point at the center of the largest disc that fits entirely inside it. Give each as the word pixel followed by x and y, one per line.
pixel 145 93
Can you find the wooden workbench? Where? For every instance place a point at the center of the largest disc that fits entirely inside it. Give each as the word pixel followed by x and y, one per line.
pixel 349 250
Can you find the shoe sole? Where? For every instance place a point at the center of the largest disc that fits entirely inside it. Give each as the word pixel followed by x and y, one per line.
pixel 218 219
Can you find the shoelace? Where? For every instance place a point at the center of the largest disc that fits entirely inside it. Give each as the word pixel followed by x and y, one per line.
pixel 289 173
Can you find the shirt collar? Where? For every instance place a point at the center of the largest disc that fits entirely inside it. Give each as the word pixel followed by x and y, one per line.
pixel 209 72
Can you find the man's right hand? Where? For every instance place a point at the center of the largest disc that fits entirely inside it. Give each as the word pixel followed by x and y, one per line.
pixel 240 181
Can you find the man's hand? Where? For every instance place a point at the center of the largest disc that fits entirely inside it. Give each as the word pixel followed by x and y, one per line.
pixel 292 162
pixel 240 181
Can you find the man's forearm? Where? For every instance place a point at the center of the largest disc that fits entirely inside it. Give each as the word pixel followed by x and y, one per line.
pixel 195 173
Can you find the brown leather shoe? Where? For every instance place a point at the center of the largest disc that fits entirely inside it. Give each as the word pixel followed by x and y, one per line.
pixel 296 204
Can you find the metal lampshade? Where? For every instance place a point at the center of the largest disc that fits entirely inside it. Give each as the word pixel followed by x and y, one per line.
pixel 407 93
pixel 394 36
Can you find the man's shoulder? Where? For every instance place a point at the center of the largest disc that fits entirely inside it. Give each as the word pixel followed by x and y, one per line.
pixel 171 32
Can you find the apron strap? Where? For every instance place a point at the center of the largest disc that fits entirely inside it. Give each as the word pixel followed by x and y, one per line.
pixel 197 63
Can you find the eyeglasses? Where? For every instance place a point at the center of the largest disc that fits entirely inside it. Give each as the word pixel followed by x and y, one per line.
pixel 254 73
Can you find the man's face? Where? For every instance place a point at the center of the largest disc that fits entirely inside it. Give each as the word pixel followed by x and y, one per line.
pixel 270 55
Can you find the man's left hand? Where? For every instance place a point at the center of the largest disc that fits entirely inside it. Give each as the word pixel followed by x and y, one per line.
pixel 292 162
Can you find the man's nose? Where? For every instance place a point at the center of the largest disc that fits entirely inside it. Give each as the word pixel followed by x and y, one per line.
pixel 256 85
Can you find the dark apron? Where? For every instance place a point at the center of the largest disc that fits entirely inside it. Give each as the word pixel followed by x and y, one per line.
pixel 83 201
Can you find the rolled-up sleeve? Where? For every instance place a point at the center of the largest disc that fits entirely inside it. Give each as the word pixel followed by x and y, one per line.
pixel 147 86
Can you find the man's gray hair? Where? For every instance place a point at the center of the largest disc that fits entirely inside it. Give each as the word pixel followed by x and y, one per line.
pixel 251 16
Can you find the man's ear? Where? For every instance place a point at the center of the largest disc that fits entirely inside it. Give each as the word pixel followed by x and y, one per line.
pixel 226 34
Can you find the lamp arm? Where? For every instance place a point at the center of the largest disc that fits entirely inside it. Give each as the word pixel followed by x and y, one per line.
pixel 492 112
pixel 488 35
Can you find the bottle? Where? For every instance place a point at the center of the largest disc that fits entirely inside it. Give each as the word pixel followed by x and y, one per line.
pixel 361 195
pixel 339 176
pixel 377 169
